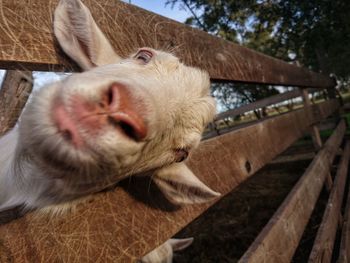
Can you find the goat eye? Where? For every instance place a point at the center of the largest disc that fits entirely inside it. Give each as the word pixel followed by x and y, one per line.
pixel 144 55
pixel 181 155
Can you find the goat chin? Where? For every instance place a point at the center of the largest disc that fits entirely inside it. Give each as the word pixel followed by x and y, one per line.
pixel 119 117
pixel 22 182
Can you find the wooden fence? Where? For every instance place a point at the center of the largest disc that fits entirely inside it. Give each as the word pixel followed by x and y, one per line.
pixel 124 224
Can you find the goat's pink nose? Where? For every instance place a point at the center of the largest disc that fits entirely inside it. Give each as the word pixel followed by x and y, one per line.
pixel 117 108
pixel 124 112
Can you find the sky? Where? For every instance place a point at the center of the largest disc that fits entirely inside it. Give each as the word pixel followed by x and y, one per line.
pixel 177 13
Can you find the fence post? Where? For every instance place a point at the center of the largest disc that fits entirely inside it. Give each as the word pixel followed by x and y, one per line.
pixel 332 92
pixel 315 133
pixel 14 92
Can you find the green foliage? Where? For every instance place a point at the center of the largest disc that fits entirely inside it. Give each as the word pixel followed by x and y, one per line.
pixel 316 33
pixel 313 33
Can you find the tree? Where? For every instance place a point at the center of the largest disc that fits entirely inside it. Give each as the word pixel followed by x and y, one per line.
pixel 314 33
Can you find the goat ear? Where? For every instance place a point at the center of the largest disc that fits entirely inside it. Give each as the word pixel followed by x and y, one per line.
pixel 80 37
pixel 178 244
pixel 181 186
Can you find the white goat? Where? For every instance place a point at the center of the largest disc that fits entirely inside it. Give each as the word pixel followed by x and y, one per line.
pixel 119 117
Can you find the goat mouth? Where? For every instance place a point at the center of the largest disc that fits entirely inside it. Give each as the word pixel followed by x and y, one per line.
pixel 58 164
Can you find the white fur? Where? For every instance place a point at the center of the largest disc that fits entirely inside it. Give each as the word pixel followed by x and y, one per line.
pixel 165 252
pixel 39 168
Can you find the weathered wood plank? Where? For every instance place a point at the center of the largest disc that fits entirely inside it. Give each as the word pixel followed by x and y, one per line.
pixel 318 113
pixel 262 103
pixel 117 227
pixel 327 125
pixel 294 158
pixel 26 41
pixel 315 134
pixel 324 242
pixel 14 92
pixel 344 252
pixel 280 237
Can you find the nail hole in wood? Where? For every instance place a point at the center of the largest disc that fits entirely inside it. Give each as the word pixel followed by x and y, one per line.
pixel 248 166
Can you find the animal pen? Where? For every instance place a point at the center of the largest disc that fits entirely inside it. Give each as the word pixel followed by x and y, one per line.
pixel 116 226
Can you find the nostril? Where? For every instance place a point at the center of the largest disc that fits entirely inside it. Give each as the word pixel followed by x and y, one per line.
pixel 67 135
pixel 125 112
pixel 130 131
pixel 128 127
pixel 108 99
pixel 110 95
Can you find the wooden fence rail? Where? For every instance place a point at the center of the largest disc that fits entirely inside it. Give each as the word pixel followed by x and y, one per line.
pixel 344 254
pixel 324 242
pixel 259 104
pixel 273 243
pixel 27 42
pixel 214 129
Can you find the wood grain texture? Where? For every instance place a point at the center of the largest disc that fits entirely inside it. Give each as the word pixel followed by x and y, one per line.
pixel 263 103
pixel 27 41
pixel 124 224
pixel 323 246
pixel 344 251
pixel 14 93
pixel 280 237
pixel 315 133
pixel 317 113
